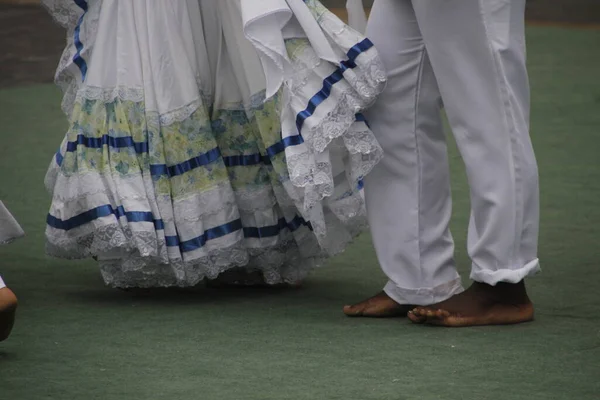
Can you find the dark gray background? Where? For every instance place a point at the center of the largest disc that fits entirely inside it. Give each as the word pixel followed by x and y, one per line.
pixel 30 43
pixel 572 11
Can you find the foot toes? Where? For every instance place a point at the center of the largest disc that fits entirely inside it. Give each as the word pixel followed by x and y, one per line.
pixel 423 314
pixel 419 312
pixel 352 311
pixel 416 318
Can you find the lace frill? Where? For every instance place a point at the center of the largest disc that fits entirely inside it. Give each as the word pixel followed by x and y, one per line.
pixel 70 15
pixel 335 133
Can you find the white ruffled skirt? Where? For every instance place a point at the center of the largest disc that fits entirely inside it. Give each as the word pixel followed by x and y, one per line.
pixel 208 136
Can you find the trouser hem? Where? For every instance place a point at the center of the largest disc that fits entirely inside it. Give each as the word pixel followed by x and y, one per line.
pixel 423 296
pixel 492 278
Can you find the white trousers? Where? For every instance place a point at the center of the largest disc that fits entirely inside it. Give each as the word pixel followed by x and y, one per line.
pixel 468 55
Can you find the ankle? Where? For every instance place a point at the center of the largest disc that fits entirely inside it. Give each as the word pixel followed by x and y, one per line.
pixel 504 292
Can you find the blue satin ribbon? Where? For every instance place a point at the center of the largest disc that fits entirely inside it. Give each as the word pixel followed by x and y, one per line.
pixel 358 49
pixel 59 158
pixel 361 185
pixel 331 80
pixel 78 59
pixel 246 160
pixel 318 98
pixel 209 234
pixel 186 166
pixel 361 118
pixel 107 140
pixel 173 241
pixel 283 144
pixel 100 212
pixel 179 169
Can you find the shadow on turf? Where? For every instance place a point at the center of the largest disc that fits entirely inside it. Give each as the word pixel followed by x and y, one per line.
pixel 320 293
pixel 199 294
pixel 7 356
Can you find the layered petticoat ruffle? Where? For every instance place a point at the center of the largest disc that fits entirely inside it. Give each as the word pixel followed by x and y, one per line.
pixel 169 196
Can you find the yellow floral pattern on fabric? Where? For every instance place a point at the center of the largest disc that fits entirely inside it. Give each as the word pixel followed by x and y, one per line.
pixel 120 138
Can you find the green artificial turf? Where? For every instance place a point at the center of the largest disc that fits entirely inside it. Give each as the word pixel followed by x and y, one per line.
pixel 76 339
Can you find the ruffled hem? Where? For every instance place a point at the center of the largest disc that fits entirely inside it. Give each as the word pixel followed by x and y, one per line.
pixel 278 264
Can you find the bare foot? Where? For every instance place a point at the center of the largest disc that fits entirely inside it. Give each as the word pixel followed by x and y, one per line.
pixel 378 306
pixel 481 304
pixel 8 307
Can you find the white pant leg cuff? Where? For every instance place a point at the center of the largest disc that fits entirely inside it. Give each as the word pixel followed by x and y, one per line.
pixel 423 296
pixel 490 277
pixel 2 285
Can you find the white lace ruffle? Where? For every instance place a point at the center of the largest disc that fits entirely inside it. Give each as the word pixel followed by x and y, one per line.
pixel 108 95
pixel 336 131
pixel 139 257
pixel 288 261
pixel 77 194
pixel 73 195
pixel 283 263
pixel 65 12
pixel 137 95
pixel 69 15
